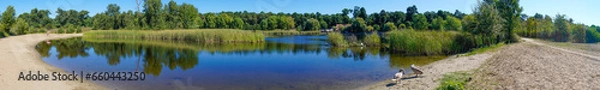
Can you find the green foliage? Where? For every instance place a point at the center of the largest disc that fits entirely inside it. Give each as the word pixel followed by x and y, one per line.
pixel 372 40
pixel 389 27
pixel 420 22
pixel 578 33
pixel 421 42
pixel 337 39
pixel 561 33
pixel 238 23
pixel 453 23
pixel 359 25
pixel 312 24
pixel 60 31
pixel 8 18
pixel 438 24
pixel 152 14
pixel 454 81
pixel 206 36
pixel 289 32
pixel 20 27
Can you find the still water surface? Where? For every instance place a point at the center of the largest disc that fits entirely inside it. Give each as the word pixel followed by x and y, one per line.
pixel 291 62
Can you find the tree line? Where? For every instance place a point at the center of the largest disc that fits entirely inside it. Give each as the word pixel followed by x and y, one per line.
pixel 501 19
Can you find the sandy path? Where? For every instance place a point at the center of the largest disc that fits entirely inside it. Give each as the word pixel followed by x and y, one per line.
pixel 433 73
pixel 17 54
pixel 538 66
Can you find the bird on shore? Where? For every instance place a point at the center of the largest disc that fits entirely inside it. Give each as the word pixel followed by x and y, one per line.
pixel 398 76
pixel 416 70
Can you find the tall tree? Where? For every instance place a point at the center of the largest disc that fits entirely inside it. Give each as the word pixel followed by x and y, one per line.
pixel 420 22
pixel 8 18
pixel 152 11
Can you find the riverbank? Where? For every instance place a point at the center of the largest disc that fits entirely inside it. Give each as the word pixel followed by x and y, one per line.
pixel 540 65
pixel 531 64
pixel 19 55
pixel 433 73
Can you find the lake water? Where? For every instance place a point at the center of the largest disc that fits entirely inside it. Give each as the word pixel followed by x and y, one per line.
pixel 291 62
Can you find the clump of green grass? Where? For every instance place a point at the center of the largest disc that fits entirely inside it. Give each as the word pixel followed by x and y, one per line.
pixel 422 42
pixel 372 40
pixel 337 39
pixel 454 81
pixel 207 36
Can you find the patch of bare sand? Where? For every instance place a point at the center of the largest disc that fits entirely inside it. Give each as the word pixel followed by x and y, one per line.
pixel 17 54
pixel 432 73
pixel 534 65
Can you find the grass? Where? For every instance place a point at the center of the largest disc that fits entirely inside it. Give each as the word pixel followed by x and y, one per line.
pixel 454 81
pixel 413 42
pixel 288 32
pixel 197 46
pixel 488 48
pixel 337 39
pixel 372 40
pixel 204 35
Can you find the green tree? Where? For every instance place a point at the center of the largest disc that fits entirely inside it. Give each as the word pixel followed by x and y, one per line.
pixel 359 25
pixel 153 16
pixel 238 23
pixel 420 22
pixel 561 33
pixel 211 20
pixel 8 18
pixel 312 24
pixel 389 27
pixel 190 16
pixel 224 21
pixel 510 11
pixel 438 24
pixel 20 27
pixel 453 23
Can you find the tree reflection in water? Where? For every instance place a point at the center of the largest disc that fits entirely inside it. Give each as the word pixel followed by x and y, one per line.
pixel 154 55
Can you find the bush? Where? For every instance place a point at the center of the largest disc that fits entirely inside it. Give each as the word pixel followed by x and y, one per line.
pixel 337 39
pixel 422 42
pixel 454 81
pixel 372 40
pixel 61 31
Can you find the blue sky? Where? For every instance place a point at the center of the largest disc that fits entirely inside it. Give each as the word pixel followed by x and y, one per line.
pixel 579 10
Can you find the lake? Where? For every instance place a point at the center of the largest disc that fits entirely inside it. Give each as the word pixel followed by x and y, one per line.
pixel 290 62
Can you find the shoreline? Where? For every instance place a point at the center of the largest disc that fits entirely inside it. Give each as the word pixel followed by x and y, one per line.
pixel 19 55
pixel 434 72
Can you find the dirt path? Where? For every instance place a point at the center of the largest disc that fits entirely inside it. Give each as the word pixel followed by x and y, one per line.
pixel 527 65
pixel 433 73
pixel 17 54
pixel 536 65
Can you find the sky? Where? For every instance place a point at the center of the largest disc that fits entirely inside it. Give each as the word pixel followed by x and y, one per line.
pixel 582 11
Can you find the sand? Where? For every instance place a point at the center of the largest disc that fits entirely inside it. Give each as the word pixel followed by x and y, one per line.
pixel 18 54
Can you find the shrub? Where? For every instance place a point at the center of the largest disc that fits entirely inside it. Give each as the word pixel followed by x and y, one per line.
pixel 61 31
pixel 372 40
pixel 454 81
pixel 337 39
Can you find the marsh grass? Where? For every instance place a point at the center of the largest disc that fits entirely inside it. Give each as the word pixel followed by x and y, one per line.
pixel 337 39
pixel 288 32
pixel 372 40
pixel 203 35
pixel 422 42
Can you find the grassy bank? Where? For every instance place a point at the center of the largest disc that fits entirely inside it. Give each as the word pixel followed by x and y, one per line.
pixel 288 32
pixel 422 42
pixel 208 35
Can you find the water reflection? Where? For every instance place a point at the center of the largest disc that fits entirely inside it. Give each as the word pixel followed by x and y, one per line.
pixel 309 59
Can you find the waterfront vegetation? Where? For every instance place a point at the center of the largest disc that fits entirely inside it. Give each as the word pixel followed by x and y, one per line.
pixel 208 36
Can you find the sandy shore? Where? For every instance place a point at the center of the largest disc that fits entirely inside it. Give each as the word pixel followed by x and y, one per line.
pixel 531 64
pixel 18 55
pixel 433 73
